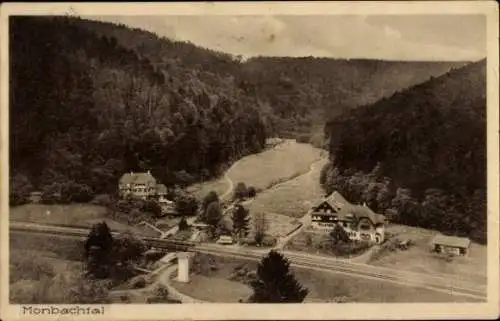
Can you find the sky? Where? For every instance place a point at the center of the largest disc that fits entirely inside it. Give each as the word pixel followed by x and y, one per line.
pixel 388 37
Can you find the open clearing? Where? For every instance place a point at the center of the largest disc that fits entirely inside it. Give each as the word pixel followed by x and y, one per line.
pixel 51 268
pixel 220 185
pixel 41 269
pixel 68 249
pixel 199 190
pixel 212 289
pixel 277 225
pixel 273 166
pixel 265 169
pixel 69 215
pixel 326 287
pixel 419 258
pixel 288 177
pixel 292 198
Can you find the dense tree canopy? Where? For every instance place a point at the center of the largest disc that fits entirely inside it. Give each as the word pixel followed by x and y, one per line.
pixel 92 100
pixel 98 251
pixel 420 154
pixel 85 109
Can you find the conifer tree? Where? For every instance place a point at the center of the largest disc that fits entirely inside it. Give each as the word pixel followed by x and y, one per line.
pixel 240 220
pixel 98 250
pixel 275 282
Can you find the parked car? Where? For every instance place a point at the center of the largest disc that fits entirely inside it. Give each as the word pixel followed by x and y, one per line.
pixel 225 240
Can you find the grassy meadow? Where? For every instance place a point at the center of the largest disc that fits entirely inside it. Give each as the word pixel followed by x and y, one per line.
pixel 273 166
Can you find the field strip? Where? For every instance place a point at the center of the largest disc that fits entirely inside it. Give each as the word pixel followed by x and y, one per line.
pixel 383 278
pixel 351 269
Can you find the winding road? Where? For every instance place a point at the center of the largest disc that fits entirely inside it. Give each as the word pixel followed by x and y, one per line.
pixel 447 284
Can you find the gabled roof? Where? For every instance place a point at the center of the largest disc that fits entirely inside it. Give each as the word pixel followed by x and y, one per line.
pixel 363 211
pixel 454 241
pixel 346 209
pixel 335 200
pixel 137 178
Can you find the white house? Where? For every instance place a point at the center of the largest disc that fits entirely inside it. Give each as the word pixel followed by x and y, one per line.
pixel 139 185
pixel 359 221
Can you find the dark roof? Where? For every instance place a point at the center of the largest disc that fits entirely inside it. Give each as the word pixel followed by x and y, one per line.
pixel 362 211
pixel 137 178
pixel 346 209
pixel 335 200
pixel 454 241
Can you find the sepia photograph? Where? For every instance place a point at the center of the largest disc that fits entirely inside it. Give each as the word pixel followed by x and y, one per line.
pixel 213 155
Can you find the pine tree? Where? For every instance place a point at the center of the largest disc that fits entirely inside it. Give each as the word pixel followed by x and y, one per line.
pixel 212 216
pixel 98 250
pixel 275 282
pixel 240 220
pixel 240 191
pixel 209 198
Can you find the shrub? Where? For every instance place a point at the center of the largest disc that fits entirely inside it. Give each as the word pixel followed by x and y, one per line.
pixel 186 204
pixel 66 192
pixel 161 291
pixel 211 197
pixel 151 206
pixel 78 193
pixel 51 194
pixel 183 178
pixel 240 191
pixel 183 225
pixel 20 187
pixel 269 240
pixel 351 248
pixel 102 199
pixel 252 192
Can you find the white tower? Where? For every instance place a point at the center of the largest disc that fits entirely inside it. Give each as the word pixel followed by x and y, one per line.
pixel 183 267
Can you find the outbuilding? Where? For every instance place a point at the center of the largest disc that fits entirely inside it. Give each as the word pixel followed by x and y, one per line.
pixel 451 244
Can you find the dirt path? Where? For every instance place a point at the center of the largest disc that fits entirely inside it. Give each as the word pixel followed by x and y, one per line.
pixel 164 274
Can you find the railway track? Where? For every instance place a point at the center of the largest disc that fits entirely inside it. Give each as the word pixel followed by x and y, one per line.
pixel 83 232
pixel 407 279
pixel 449 285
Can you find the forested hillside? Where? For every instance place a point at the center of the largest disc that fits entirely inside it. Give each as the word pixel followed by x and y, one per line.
pixel 308 90
pixel 90 100
pixel 420 154
pixel 296 94
pixel 84 109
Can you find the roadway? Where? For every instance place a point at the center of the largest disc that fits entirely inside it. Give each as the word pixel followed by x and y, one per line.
pixel 447 284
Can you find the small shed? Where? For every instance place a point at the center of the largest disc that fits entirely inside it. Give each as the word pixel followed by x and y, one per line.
pixel 35 197
pixel 451 244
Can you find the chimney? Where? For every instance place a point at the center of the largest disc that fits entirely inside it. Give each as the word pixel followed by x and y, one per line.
pixel 149 172
pixel 131 173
